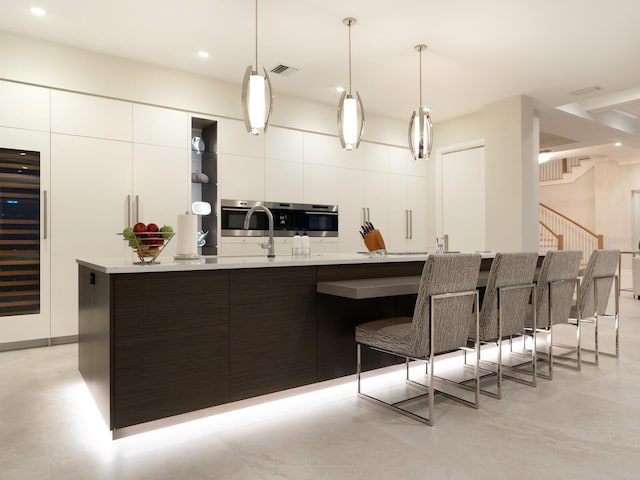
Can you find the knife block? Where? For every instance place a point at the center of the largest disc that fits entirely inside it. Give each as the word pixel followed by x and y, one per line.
pixel 374 241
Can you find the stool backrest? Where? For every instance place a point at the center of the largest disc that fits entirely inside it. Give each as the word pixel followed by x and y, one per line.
pixel 507 270
pixel 557 275
pixel 445 273
pixel 601 269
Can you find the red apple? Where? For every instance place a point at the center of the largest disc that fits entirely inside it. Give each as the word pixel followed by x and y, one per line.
pixel 152 227
pixel 139 227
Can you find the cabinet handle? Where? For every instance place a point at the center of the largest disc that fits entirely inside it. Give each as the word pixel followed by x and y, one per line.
pixel 128 210
pixel 137 208
pixel 410 224
pixel 45 218
pixel 406 224
pixel 368 215
pixel 363 215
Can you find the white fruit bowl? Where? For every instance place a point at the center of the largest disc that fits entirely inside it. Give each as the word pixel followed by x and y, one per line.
pixel 148 245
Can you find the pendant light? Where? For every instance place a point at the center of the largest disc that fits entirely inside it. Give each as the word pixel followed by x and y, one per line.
pixel 350 110
pixel 257 100
pixel 420 128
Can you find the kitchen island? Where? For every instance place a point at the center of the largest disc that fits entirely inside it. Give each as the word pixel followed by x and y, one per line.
pixel 163 340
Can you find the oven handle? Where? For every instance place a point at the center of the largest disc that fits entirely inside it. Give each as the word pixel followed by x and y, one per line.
pixel 321 213
pixel 228 209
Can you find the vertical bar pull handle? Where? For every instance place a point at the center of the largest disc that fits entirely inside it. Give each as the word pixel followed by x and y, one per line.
pixel 406 224
pixel 128 211
pixel 410 224
pixel 137 208
pixel 368 215
pixel 364 215
pixel 45 217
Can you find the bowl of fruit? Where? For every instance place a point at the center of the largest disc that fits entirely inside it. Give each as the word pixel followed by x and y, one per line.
pixel 147 241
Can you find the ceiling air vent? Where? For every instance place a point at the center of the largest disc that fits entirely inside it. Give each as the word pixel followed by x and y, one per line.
pixel 584 91
pixel 284 70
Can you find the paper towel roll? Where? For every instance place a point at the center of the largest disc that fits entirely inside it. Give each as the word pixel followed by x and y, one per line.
pixel 187 235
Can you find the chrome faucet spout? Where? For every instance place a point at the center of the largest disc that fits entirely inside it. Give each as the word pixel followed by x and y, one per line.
pixel 270 245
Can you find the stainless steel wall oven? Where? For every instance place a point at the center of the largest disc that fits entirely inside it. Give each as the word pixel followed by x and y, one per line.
pixel 288 218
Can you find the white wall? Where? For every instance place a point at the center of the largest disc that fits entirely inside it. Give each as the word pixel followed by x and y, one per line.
pixel 575 200
pixel 509 133
pixel 47 64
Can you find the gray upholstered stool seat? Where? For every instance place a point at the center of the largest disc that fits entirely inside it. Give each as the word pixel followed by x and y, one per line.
pixel 389 334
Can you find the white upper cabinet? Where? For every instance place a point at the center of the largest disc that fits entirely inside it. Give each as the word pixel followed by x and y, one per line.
pixel 24 106
pixel 284 144
pixel 160 126
pixel 399 159
pixel 233 138
pixel 88 116
pixel 320 149
pixel 241 177
pixel 320 184
pixel 376 157
pixel 283 181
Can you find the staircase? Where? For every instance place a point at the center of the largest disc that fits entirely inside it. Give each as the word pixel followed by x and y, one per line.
pixel 561 170
pixel 558 232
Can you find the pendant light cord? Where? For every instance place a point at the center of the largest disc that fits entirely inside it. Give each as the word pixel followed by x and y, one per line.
pixel 349 57
pixel 256 35
pixel 420 52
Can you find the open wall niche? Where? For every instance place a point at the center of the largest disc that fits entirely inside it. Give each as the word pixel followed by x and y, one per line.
pixel 204 177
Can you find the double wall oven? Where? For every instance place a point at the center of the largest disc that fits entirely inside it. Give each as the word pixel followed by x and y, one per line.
pixel 288 219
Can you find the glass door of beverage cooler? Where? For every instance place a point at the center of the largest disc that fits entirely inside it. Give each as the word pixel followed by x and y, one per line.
pixel 24 255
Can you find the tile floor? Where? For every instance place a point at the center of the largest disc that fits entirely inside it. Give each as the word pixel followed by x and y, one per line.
pixel 580 425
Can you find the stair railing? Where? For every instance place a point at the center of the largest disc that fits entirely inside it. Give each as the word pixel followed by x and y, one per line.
pixel 575 236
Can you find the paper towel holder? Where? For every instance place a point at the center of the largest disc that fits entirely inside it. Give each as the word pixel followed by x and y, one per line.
pixel 201 208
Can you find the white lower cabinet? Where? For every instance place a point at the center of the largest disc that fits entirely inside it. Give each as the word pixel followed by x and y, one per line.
pixel 91 181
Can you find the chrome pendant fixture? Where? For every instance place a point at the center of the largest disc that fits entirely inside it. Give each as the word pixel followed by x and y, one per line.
pixel 420 127
pixel 350 110
pixel 257 99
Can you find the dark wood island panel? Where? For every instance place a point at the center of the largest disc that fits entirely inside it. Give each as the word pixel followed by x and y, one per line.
pixel 171 348
pixel 273 330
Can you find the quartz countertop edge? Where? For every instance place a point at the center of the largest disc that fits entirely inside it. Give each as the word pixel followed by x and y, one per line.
pixel 169 264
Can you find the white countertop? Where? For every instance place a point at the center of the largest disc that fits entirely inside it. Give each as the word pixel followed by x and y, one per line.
pixel 169 264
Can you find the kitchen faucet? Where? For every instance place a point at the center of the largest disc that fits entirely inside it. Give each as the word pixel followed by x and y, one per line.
pixel 270 244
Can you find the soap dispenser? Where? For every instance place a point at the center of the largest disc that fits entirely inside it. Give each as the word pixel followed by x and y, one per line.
pixel 297 244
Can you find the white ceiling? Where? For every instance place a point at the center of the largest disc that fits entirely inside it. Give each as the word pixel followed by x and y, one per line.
pixel 479 51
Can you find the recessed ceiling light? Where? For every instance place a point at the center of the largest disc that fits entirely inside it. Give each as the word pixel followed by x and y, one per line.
pixel 38 12
pixel 340 89
pixel 203 54
pixel 617 144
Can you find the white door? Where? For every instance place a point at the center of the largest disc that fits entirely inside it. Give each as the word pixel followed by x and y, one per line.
pixel 462 204
pixel 91 189
pixel 36 324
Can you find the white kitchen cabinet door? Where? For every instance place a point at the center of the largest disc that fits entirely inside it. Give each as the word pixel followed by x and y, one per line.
pixel 284 144
pixel 377 200
pixel 161 126
pixel 88 116
pixel 283 181
pixel 350 205
pixel 376 157
pixel 90 184
pixel 16 328
pixel 397 235
pixel 161 181
pixel 240 177
pixel 24 106
pixel 320 184
pixel 320 149
pixel 234 139
pixel 417 206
